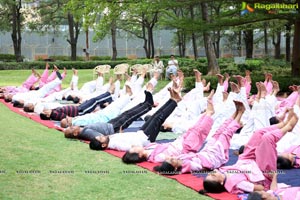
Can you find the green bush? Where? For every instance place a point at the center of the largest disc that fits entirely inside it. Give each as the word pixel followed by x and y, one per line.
pixel 7 58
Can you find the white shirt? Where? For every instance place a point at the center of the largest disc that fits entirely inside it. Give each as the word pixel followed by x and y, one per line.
pixel 124 141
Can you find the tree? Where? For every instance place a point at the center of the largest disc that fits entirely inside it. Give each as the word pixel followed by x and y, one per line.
pixel 213 67
pixel 12 19
pixel 55 13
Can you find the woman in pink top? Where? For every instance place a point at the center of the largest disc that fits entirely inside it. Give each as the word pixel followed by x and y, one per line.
pixel 275 193
pixel 252 170
pixel 214 154
pixel 290 158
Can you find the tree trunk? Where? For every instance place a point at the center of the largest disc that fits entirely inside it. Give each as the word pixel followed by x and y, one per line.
pixel 113 40
pixel 87 45
pixel 145 41
pixel 16 30
pixel 213 67
pixel 216 43
pixel 248 38
pixel 73 33
pixel 194 40
pixel 240 43
pixel 276 42
pixel 266 39
pixel 296 50
pixel 288 42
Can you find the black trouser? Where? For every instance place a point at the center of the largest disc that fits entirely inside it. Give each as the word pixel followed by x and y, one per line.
pixel 152 126
pixel 91 104
pixel 127 117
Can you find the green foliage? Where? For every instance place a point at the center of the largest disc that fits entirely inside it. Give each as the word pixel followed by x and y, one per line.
pixel 7 58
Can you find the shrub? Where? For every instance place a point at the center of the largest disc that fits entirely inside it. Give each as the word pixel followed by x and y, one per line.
pixel 8 58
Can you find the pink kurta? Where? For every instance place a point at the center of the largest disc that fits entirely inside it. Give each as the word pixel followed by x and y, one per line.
pixel 215 152
pixel 253 166
pixel 191 141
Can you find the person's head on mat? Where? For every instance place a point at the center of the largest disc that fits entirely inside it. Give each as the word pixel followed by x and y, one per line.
pixel 72 132
pixel 171 166
pixel 46 114
pixel 66 122
pixel 135 154
pixel 18 104
pixel 261 195
pixel 8 97
pixel 29 107
pixel 285 161
pixel 99 143
pixel 214 182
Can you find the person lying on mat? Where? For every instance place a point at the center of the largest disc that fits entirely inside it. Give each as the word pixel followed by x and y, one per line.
pixel 72 111
pixel 276 193
pixel 20 99
pixel 139 153
pixel 253 167
pixel 111 111
pixel 7 92
pixel 112 126
pixel 290 158
pixel 147 133
pixel 183 154
pixel 36 105
pixel 214 153
pixel 23 93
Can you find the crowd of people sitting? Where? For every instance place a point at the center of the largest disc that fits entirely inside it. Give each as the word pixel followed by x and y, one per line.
pixel 262 128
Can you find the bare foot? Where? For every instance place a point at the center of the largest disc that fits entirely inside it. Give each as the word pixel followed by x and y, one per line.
pixel 220 78
pixel 197 75
pixel 227 77
pixel 240 80
pixel 174 95
pixel 275 87
pixel 55 68
pixel 234 87
pixel 263 90
pixel 239 106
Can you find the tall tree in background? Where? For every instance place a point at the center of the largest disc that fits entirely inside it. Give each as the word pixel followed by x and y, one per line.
pixel 55 13
pixel 11 19
pixel 213 67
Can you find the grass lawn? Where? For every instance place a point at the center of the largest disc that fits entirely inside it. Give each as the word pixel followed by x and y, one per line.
pixel 39 163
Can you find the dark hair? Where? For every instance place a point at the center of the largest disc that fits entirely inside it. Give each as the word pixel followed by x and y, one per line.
pixel 283 163
pixel 254 196
pixel 69 98
pixel 76 100
pixel 7 99
pixel 131 158
pixel 166 168
pixel 18 104
pixel 212 187
pixel 27 109
pixel 273 120
pixel 44 116
pixel 241 149
pixel 96 145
